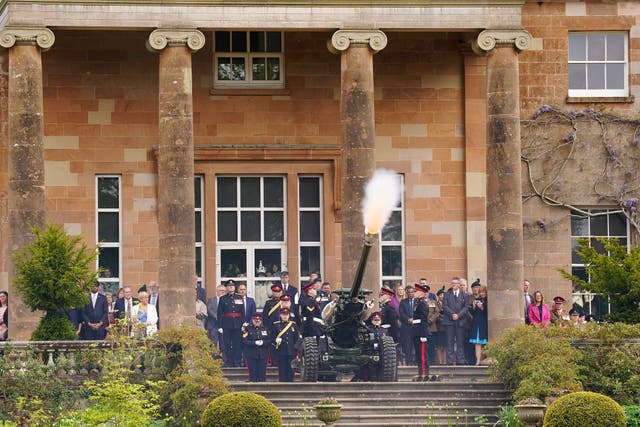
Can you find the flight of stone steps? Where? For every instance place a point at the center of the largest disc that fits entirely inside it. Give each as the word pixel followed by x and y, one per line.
pixel 464 396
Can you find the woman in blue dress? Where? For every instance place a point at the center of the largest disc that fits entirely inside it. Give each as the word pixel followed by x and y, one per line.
pixel 479 326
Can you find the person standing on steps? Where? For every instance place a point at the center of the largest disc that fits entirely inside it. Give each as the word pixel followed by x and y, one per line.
pixel 285 334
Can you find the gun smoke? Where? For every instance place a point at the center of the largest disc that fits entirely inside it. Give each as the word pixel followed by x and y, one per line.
pixel 382 194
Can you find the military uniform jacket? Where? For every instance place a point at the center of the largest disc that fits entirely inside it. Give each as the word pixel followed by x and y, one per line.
pixel 390 321
pixel 271 312
pixel 377 331
pixel 420 327
pixel 323 298
pixel 289 338
pixel 311 318
pixel 230 312
pixel 251 335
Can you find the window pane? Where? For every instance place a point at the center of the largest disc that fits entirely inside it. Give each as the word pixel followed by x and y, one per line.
pixel 273 68
pixel 595 76
pixel 309 192
pixel 274 41
pixel 577 47
pixel 273 226
pixel 599 247
pixel 197 188
pixel 233 262
pixel 310 226
pixel 617 225
pixel 224 68
pixel 392 261
pixel 259 68
pixel 238 69
pixel 577 76
pixel 199 262
pixel 309 260
pixel 238 41
pixel 599 225
pixel 615 47
pixel 273 196
pixel 227 229
pixel 223 41
pixel 108 226
pixel 581 272
pixel 250 192
pixel 595 47
pixel 227 193
pixel 108 193
pixel 198 224
pixel 109 262
pixel 615 76
pixel 575 258
pixel 250 226
pixel 269 258
pixel 579 225
pixel 393 230
pixel 257 41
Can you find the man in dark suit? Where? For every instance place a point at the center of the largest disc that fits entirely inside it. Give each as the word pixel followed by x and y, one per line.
pixel 211 324
pixel 94 315
pixel 407 306
pixel 288 288
pixel 249 303
pixel 454 319
pixel 154 297
pixel 123 305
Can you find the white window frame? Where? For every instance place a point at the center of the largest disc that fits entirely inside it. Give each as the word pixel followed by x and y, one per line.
pixel 117 244
pixel 248 56
pixel 319 244
pixel 601 92
pixel 400 243
pixel 201 244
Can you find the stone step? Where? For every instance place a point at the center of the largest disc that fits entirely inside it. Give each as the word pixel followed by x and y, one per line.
pixel 379 418
pixel 394 403
pixel 370 388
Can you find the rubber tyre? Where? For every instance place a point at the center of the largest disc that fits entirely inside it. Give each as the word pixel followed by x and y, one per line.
pixel 388 365
pixel 310 360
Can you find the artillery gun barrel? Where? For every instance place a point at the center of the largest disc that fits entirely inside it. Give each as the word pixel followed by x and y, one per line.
pixel 368 241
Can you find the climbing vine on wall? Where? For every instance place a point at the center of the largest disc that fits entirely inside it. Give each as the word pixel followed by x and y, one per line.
pixel 579 158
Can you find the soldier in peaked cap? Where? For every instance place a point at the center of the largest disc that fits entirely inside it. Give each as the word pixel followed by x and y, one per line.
pixel 558 314
pixel 312 324
pixel 270 315
pixel 257 339
pixel 390 319
pixel 420 331
pixel 230 319
pixel 285 333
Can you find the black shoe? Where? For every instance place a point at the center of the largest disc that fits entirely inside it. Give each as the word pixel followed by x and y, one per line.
pixel 434 378
pixel 418 379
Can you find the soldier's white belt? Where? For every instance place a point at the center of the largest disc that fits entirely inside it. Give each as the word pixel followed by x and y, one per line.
pixel 417 321
pixel 317 319
pixel 385 326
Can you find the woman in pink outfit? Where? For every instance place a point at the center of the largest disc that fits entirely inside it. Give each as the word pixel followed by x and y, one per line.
pixel 539 314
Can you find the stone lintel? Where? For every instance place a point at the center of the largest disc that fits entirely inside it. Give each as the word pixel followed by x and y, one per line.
pixel 342 39
pixel 488 39
pixel 40 36
pixel 191 37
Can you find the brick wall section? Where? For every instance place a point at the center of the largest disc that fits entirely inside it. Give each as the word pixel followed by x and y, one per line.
pixel 4 170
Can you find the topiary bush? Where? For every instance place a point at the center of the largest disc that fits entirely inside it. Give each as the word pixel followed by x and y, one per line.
pixel 585 409
pixel 241 409
pixel 54 326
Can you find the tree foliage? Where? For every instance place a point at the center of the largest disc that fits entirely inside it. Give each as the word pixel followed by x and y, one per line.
pixel 55 270
pixel 615 272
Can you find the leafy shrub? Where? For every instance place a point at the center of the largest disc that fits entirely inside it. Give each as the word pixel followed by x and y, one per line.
pixel 534 365
pixel 585 409
pixel 508 417
pixel 54 326
pixel 242 409
pixel 193 377
pixel 633 415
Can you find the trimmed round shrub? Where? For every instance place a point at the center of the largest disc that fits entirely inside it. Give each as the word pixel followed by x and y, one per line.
pixel 585 409
pixel 54 326
pixel 241 409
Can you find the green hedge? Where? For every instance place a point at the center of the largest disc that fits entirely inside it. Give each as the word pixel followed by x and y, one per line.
pixel 585 409
pixel 241 409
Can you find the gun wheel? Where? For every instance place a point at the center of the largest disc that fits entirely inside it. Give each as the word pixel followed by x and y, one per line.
pixel 389 368
pixel 310 360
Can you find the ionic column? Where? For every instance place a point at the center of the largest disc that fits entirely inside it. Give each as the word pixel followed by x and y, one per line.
pixel 357 116
pixel 176 226
pixel 26 154
pixel 504 184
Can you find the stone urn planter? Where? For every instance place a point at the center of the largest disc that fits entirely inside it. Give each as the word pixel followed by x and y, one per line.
pixel 328 411
pixel 531 411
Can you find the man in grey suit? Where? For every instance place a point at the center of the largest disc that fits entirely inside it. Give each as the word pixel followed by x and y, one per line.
pixel 211 324
pixel 454 319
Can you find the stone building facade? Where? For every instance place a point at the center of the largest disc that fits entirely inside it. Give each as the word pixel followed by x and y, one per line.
pixel 113 115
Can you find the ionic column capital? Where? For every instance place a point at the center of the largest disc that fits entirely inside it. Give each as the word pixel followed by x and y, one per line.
pixel 342 39
pixel 191 37
pixel 488 39
pixel 40 36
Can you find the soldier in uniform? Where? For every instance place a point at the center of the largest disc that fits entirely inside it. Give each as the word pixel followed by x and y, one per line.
pixel 270 314
pixel 294 310
pixel 230 319
pixel 378 330
pixel 558 314
pixel 285 334
pixel 390 319
pixel 420 332
pixel 312 323
pixel 257 339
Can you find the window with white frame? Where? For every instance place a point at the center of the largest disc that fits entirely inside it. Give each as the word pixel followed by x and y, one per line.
pixel 392 246
pixel 310 225
pixel 607 223
pixel 249 59
pixel 598 64
pixel 108 231
pixel 199 224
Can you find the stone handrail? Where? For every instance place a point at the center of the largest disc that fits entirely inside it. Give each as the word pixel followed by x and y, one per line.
pixel 81 358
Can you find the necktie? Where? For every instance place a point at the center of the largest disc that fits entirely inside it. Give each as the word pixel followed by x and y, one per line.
pixel 129 308
pixel 455 294
pixel 244 306
pixel 411 307
pixel 93 300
